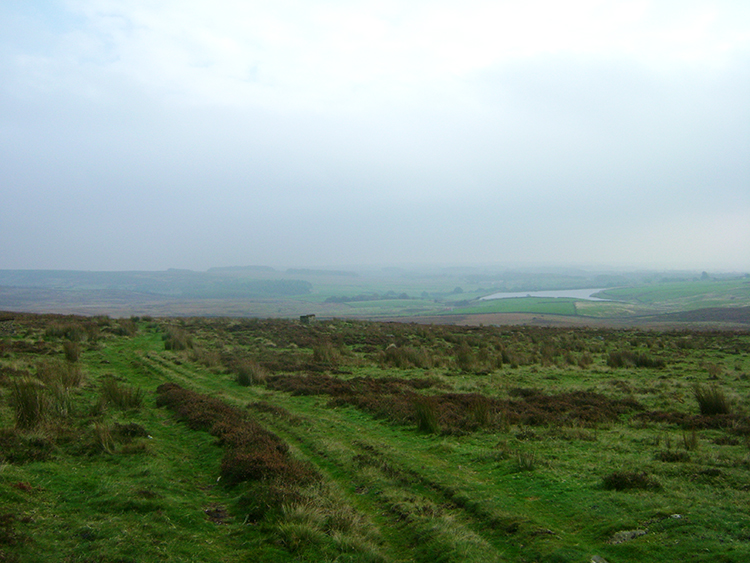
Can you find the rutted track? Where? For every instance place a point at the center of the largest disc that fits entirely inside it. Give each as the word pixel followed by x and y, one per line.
pixel 421 509
pixel 418 518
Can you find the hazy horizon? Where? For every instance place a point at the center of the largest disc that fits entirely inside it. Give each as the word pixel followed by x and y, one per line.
pixel 424 268
pixel 600 135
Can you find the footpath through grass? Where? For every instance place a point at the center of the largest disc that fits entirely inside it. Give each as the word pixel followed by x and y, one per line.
pixel 408 443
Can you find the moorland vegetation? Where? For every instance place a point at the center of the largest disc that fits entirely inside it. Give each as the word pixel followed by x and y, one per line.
pixel 226 439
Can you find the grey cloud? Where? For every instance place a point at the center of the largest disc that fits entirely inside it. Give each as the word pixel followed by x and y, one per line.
pixel 554 159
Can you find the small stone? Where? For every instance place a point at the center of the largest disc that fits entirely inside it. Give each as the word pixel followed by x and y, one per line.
pixel 626 535
pixel 597 559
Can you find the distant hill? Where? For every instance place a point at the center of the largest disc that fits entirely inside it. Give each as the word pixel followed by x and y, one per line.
pixel 170 283
pixel 241 269
pixel 307 272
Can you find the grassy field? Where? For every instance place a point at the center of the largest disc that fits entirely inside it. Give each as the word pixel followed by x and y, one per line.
pixel 685 295
pixel 268 440
pixel 556 306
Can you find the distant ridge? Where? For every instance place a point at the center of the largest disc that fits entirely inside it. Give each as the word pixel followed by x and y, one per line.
pixel 170 284
pixel 242 269
pixel 306 272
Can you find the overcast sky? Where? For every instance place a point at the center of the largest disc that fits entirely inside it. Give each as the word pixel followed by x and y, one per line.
pixel 147 134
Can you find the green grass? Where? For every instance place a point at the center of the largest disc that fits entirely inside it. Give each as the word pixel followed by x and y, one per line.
pixel 86 485
pixel 689 293
pixel 540 305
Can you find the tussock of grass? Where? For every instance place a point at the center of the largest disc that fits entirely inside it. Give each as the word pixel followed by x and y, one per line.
pixel 633 359
pixel 630 480
pixel 206 357
pixel 177 338
pixel 481 410
pixel 30 403
pixel 123 397
pixel 249 372
pixel 60 401
pixel 526 460
pixel 711 400
pixel 465 359
pixel 404 357
pixel 72 351
pixel 326 354
pixel 72 331
pixel 426 414
pixel 60 374
pixel 103 439
pixel 297 535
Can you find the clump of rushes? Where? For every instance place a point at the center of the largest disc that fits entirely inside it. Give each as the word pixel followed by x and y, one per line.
pixel 123 397
pixel 205 357
pixel 406 357
pixel 625 358
pixel 426 412
pixel 72 351
pixel 526 461
pixel 326 354
pixel 480 410
pixel 60 401
pixel 177 339
pixel 29 402
pixel 711 400
pixel 55 373
pixel 465 360
pixel 103 439
pixel 249 372
pixel 72 331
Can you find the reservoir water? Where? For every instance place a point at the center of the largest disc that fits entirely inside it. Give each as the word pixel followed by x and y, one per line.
pixel 569 293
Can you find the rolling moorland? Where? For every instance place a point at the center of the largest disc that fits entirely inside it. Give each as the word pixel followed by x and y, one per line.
pixel 231 439
pixel 438 295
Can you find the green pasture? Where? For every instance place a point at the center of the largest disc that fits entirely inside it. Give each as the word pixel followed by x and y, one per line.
pixel 611 310
pixel 689 295
pixel 541 305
